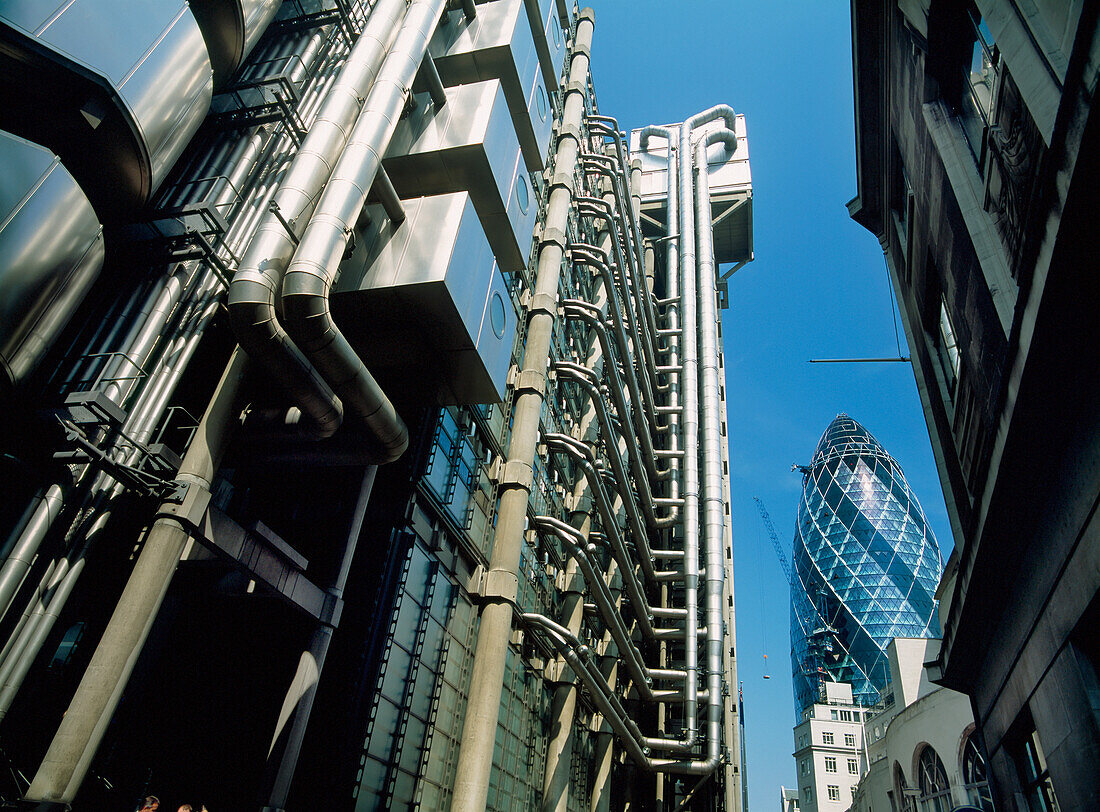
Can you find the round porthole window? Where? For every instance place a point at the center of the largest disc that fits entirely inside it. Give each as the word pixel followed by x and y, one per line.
pixel 522 195
pixel 496 314
pixel 557 34
pixel 540 102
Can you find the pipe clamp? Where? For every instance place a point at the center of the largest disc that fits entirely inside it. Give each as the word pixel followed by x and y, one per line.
pixel 530 380
pixel 500 585
pixel 516 474
pixel 543 303
pixel 556 235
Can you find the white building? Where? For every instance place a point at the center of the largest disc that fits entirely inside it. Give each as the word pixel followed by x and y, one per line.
pixel 788 800
pixel 922 753
pixel 828 750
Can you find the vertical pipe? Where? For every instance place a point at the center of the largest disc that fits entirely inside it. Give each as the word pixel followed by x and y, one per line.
pixel 475 759
pixel 82 728
pixel 690 422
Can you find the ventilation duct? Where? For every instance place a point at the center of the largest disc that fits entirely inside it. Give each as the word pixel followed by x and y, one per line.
pixel 51 250
pixel 231 28
pixel 116 88
pixel 469 145
pixel 422 301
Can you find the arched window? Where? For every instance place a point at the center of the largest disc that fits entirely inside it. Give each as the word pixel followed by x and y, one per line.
pixel 975 778
pixel 935 792
pixel 900 800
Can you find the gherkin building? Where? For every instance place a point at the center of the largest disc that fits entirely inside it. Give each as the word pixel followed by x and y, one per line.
pixel 866 566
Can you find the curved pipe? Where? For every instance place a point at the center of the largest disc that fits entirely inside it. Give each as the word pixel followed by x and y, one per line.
pixel 713 495
pixel 598 209
pixel 605 604
pixel 590 315
pixel 259 277
pixel 582 455
pixel 589 381
pixel 595 258
pixel 611 126
pixel 316 263
pixel 605 165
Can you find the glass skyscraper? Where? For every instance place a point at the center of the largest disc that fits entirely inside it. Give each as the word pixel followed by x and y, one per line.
pixel 866 566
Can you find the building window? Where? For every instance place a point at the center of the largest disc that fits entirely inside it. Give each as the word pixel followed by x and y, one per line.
pixel 853 766
pixel 974 775
pixel 979 81
pixel 807 793
pixel 904 802
pixel 805 766
pixel 1034 775
pixel 935 792
pixel 827 737
pixel 834 792
pixel 849 739
pixel 948 349
pixel 845 716
pixel 833 714
pixel 830 764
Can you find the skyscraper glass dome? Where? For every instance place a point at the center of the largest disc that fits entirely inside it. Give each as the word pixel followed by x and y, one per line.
pixel 866 566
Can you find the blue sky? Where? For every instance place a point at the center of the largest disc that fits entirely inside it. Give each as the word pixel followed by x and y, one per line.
pixel 818 288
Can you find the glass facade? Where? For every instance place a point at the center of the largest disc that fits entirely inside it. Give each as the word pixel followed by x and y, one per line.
pixel 866 566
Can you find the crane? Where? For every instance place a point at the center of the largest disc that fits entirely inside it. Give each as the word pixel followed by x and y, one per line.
pixel 775 538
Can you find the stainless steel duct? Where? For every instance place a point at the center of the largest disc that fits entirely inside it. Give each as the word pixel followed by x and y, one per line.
pixel 259 276
pixel 51 251
pixel 311 272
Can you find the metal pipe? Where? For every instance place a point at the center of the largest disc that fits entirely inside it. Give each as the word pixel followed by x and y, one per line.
pixel 582 455
pixel 589 314
pixel 594 257
pixel 259 276
pixel 710 377
pixel 391 202
pixel 634 280
pixel 25 549
pixel 579 549
pixel 475 759
pixel 601 209
pixel 315 266
pixel 588 381
pixel 431 78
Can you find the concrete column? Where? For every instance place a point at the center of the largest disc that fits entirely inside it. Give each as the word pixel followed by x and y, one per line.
pixel 78 737
pixel 475 760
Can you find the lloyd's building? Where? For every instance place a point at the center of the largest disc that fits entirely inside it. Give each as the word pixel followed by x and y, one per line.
pixel 365 439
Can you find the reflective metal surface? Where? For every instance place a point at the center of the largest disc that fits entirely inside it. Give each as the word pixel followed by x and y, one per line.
pixel 730 186
pixel 130 83
pixel 51 250
pixel 231 28
pixel 427 295
pixel 498 44
pixel 470 145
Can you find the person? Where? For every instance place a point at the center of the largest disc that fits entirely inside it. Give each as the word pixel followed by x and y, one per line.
pixel 150 804
pixel 185 808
